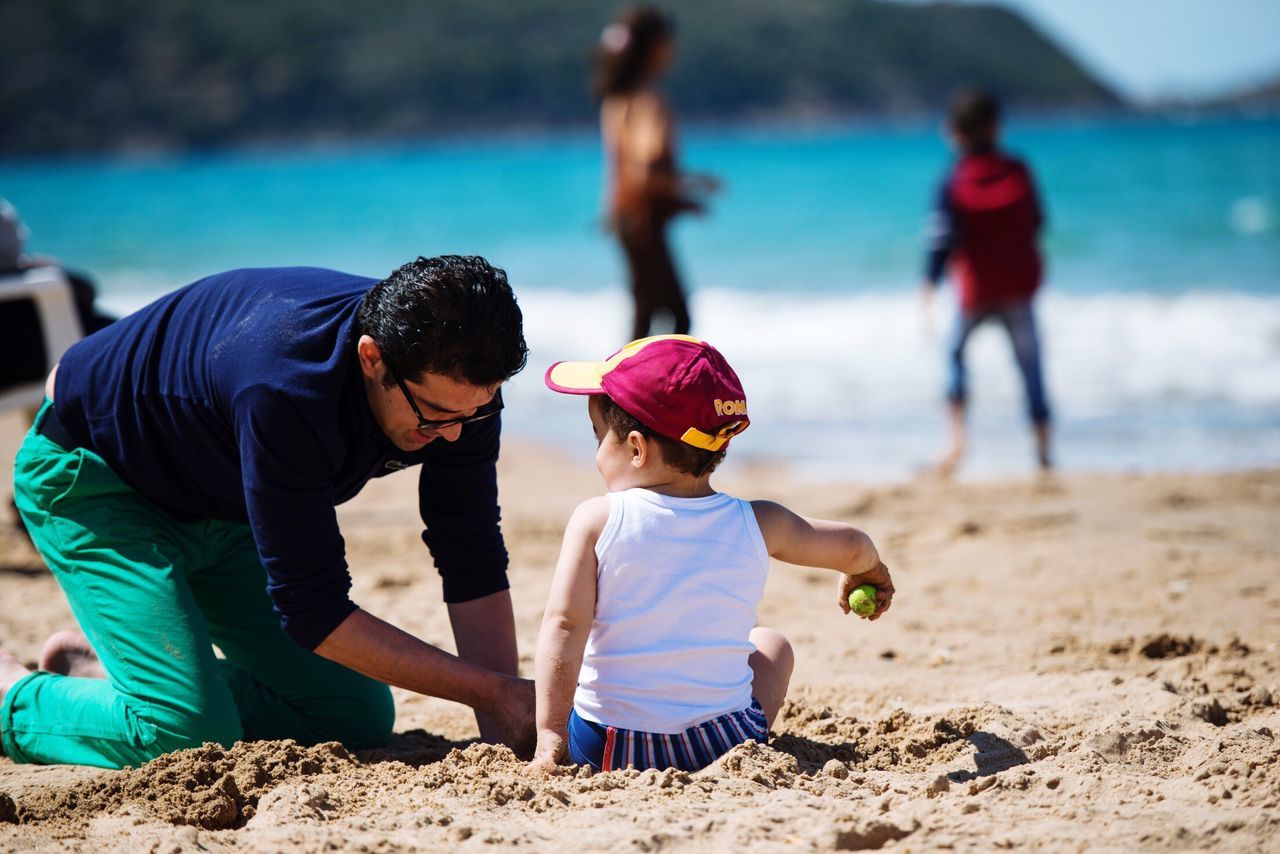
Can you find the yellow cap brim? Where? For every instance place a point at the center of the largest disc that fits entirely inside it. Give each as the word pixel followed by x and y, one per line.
pixel 576 377
pixel 586 377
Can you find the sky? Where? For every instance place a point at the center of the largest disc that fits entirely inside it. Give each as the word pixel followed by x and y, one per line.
pixel 1158 49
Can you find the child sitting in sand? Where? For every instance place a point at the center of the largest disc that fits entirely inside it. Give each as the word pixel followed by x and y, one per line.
pixel 649 654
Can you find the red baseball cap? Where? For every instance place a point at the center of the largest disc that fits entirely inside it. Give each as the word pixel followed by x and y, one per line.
pixel 675 385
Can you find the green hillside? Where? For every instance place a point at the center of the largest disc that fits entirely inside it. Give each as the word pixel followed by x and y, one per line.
pixel 106 74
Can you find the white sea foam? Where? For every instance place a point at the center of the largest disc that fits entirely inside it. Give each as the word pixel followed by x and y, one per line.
pixel 855 383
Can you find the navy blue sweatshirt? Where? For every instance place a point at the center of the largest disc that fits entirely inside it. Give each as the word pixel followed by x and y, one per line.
pixel 240 398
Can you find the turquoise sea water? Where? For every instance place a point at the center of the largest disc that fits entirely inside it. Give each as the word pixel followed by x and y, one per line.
pixel 1161 314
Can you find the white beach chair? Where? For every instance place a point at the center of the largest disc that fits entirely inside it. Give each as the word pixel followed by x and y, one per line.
pixel 49 289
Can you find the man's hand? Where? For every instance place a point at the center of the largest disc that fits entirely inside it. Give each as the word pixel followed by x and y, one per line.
pixel 513 726
pixel 381 651
pixel 877 577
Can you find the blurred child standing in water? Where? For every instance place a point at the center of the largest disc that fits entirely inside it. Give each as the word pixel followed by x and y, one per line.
pixel 985 227
pixel 646 188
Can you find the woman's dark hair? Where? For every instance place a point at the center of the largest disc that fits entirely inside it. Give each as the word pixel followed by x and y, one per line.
pixel 679 455
pixel 626 49
pixel 453 315
pixel 974 116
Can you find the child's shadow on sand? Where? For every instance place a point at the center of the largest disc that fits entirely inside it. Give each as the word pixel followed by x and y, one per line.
pixel 994 754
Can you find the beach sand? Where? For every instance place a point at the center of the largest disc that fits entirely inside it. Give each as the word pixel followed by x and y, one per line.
pixel 1079 662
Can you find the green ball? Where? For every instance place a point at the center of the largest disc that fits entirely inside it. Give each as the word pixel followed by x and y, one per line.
pixel 863 600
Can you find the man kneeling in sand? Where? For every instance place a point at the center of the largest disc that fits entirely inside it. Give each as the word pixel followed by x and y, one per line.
pixel 181 480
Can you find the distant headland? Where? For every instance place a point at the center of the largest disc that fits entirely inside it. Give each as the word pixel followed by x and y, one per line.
pixel 82 75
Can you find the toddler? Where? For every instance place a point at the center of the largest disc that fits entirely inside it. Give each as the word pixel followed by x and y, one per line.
pixel 649 655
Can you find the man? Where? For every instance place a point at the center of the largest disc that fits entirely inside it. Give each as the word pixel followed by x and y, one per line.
pixel 181 485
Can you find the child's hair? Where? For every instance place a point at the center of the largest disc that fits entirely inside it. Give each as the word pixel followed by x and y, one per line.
pixel 975 114
pixel 680 456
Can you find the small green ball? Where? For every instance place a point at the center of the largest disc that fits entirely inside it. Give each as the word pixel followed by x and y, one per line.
pixel 863 600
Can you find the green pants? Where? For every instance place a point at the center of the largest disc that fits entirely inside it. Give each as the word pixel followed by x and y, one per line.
pixel 153 595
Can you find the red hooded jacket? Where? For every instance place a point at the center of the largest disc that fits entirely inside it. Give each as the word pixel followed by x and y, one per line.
pixel 986 224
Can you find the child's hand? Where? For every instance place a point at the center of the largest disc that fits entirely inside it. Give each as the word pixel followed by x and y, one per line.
pixel 550 753
pixel 877 577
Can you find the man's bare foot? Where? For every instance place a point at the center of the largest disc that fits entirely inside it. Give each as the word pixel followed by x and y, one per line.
pixel 69 653
pixel 11 670
pixel 516 720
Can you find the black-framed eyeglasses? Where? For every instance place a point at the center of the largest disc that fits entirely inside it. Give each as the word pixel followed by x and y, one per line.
pixel 489 410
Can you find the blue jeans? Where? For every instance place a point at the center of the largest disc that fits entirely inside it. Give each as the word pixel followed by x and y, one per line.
pixel 1019 321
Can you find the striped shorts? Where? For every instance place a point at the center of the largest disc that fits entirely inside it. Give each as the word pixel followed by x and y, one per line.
pixel 608 748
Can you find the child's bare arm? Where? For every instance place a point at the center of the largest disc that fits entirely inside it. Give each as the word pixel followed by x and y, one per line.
pixel 566 623
pixel 830 545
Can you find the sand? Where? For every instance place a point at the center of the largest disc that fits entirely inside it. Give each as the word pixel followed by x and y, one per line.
pixel 1082 662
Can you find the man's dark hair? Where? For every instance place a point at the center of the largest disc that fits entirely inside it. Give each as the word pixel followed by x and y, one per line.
pixel 453 315
pixel 975 114
pixel 623 67
pixel 679 455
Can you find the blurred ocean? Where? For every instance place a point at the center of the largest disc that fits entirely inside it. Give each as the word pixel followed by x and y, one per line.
pixel 1160 317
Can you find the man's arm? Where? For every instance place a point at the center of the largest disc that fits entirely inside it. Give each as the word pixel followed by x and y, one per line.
pixel 288 493
pixel 484 631
pixel 566 623
pixel 379 650
pixel 458 500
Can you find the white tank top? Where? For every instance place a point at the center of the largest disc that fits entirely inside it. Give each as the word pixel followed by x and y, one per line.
pixel 678 582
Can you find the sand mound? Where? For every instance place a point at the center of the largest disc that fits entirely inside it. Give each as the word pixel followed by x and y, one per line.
pixel 208 787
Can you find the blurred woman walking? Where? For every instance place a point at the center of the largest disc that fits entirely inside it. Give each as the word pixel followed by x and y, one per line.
pixel 646 188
